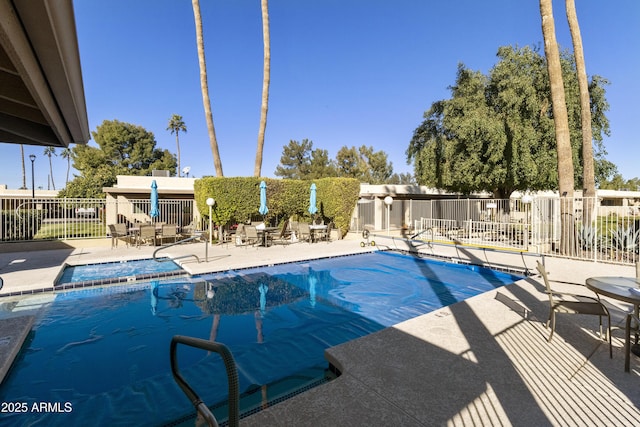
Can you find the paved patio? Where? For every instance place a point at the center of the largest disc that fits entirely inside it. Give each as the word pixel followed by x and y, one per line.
pixel 484 361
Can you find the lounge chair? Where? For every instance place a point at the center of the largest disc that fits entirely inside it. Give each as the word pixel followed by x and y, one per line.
pixel 632 324
pixel 574 304
pixel 118 231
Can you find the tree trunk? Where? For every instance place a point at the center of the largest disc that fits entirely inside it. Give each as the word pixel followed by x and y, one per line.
pixel 561 122
pixel 24 172
pixel 266 79
pixel 178 148
pixel 53 184
pixel 588 178
pixel 205 89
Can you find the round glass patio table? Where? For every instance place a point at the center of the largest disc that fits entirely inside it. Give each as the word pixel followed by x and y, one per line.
pixel 618 288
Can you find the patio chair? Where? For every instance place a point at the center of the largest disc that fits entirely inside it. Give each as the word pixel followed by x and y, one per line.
pixel 284 236
pixel 168 231
pixel 147 233
pixel 323 234
pixel 118 231
pixel 632 324
pixel 562 302
pixel 251 235
pixel 304 232
pixel 240 235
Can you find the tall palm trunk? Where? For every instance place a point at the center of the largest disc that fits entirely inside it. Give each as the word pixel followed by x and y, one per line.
pixel 178 153
pixel 205 89
pixel 561 122
pixel 588 174
pixel 53 184
pixel 24 172
pixel 266 79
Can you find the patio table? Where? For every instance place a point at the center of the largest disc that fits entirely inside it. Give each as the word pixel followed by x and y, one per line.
pixel 313 228
pixel 619 288
pixel 265 232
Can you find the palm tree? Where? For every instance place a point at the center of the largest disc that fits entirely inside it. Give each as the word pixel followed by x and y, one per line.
pixel 266 79
pixel 588 178
pixel 50 151
pixel 66 154
pixel 24 172
pixel 176 124
pixel 561 122
pixel 205 88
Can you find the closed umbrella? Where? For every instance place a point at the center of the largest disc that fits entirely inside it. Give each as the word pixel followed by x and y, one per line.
pixel 263 199
pixel 312 200
pixel 155 211
pixel 263 298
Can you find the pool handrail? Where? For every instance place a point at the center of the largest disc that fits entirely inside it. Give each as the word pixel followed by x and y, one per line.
pixel 232 377
pixel 179 242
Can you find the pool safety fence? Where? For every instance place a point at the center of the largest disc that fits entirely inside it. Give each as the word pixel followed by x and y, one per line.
pixel 580 228
pixel 79 218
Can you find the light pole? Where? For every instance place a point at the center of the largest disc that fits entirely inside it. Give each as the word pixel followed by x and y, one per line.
pixel 388 201
pixel 210 203
pixel 32 157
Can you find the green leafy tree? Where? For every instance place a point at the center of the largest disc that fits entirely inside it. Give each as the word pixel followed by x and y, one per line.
pixel 496 132
pixel 617 182
pixel 295 162
pixel 176 125
pixel 349 163
pixel 321 166
pixel 123 149
pixel 402 179
pixel 49 152
pixel 364 164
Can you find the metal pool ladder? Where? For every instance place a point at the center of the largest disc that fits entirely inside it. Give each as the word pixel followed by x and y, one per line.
pixel 232 377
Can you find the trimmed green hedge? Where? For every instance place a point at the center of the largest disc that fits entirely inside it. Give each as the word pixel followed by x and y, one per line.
pixel 238 199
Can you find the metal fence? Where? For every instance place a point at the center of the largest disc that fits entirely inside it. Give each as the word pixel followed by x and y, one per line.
pixel 51 219
pixel 591 232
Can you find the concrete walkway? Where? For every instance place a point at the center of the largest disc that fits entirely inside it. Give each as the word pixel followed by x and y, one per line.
pixel 484 361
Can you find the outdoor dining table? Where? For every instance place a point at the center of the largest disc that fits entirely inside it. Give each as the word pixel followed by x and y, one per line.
pixel 313 228
pixel 619 288
pixel 625 289
pixel 264 234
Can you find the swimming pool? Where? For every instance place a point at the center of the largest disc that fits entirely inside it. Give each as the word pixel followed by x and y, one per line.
pixel 117 271
pixel 103 352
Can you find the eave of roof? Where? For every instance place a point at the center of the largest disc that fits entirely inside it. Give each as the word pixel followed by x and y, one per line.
pixel 41 90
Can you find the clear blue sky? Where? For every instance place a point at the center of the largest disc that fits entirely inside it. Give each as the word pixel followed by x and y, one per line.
pixel 343 72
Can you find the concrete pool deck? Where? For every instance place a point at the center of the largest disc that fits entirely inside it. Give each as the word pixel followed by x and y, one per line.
pixel 483 361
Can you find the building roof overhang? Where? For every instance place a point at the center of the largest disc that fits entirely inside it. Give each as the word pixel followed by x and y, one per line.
pixel 41 90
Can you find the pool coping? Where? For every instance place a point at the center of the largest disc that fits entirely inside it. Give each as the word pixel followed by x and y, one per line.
pixel 13 333
pixel 362 396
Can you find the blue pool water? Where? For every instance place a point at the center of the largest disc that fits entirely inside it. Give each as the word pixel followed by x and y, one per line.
pixel 121 271
pixel 103 353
